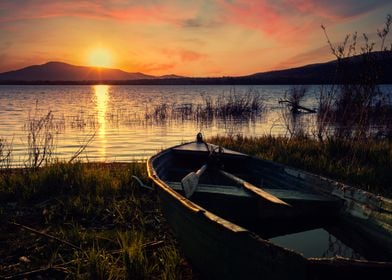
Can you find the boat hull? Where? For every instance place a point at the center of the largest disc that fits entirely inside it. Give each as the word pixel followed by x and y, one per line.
pixel 221 252
pixel 221 249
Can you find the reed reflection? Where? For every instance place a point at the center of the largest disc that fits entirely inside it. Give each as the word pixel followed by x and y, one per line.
pixel 101 103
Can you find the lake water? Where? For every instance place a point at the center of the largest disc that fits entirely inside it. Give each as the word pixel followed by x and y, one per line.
pixel 336 238
pixel 114 117
pixel 316 243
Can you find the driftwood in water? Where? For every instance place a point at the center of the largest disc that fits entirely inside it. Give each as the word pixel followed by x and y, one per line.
pixel 296 108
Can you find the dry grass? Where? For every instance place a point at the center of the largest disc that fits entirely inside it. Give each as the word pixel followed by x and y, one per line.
pixel 366 164
pixel 116 229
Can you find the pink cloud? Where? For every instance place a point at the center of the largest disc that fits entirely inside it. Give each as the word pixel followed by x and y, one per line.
pixel 336 10
pixel 273 20
pixel 94 10
pixel 253 14
pixel 294 20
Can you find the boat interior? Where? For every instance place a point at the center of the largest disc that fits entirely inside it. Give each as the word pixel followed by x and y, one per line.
pixel 307 209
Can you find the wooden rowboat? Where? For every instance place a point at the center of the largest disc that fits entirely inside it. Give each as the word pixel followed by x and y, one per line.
pixel 231 226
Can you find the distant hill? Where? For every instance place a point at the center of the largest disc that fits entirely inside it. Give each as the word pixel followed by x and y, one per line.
pixel 59 71
pixel 320 73
pixel 325 73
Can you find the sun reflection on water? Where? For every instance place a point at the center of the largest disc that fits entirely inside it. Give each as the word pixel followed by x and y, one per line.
pixel 101 101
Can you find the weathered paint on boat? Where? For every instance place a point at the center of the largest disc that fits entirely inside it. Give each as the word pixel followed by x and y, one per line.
pixel 221 249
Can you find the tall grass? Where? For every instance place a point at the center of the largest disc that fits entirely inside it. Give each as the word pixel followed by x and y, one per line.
pixel 99 208
pixel 365 164
pixel 134 256
pixel 99 265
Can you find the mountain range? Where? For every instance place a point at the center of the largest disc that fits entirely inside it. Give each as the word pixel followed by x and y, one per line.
pixel 60 71
pixel 319 73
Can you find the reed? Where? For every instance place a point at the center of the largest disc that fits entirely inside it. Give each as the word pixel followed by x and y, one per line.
pixel 238 105
pixel 40 139
pixel 230 106
pixel 355 107
pixel 6 148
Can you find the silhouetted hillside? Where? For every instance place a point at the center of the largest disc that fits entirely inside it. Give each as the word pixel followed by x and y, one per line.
pixel 326 73
pixel 320 73
pixel 59 71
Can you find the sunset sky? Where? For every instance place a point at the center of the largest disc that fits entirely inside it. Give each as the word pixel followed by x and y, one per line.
pixel 191 38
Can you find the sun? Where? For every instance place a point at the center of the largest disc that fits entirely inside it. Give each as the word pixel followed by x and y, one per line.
pixel 100 57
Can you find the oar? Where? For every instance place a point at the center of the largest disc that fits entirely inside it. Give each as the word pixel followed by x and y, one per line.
pixel 190 181
pixel 259 192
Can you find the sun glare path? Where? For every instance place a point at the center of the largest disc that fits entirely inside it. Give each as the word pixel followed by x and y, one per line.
pixel 101 100
pixel 100 58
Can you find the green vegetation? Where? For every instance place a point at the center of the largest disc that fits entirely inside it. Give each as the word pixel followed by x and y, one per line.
pixel 364 164
pixel 233 105
pixel 92 221
pixel 84 221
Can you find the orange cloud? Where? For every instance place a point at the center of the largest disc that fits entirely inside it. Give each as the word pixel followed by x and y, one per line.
pixel 187 56
pixel 320 54
pixel 156 67
pixel 201 37
pixel 184 55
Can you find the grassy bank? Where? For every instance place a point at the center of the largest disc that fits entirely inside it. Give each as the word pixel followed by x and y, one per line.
pixel 84 221
pixel 364 164
pixel 93 221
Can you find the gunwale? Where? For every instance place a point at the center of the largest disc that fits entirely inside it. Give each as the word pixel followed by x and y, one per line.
pixel 357 198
